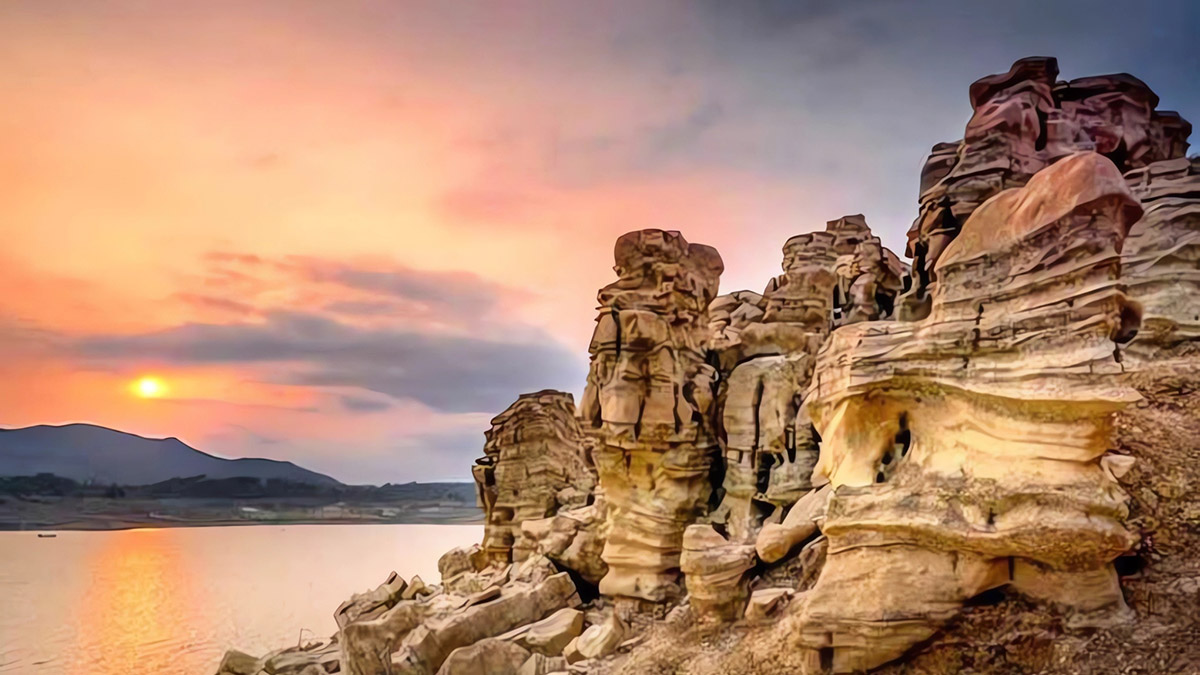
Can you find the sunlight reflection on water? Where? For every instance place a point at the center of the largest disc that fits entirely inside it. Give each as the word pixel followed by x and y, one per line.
pixel 160 601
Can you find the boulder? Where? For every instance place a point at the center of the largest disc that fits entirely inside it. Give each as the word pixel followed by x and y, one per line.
pixel 598 640
pixel 372 603
pixel 550 635
pixel 238 663
pixel 427 646
pixel 367 645
pixel 489 655
pixel 776 541
pixel 415 589
pixel 765 601
pixel 539 664
pixel 715 569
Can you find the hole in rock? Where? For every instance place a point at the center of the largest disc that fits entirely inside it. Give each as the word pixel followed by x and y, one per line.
pixel 763 478
pixel 886 302
pixel 1129 565
pixel 903 438
pixel 987 598
pixel 826 658
pixel 1120 156
pixel 886 459
pixel 879 477
pixel 1040 143
pixel 587 590
pixel 716 477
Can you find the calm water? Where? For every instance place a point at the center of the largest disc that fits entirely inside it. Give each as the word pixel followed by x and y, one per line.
pixel 173 600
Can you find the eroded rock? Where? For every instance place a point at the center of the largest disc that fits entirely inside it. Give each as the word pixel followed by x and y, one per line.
pixel 999 400
pixel 716 572
pixel 648 402
pixel 535 462
pixel 1024 120
pixel 490 655
pixel 427 646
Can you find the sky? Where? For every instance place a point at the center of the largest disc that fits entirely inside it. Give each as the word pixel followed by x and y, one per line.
pixel 347 234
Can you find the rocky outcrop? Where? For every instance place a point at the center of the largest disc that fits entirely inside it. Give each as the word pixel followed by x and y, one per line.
pixel 987 464
pixel 648 402
pixel 1161 258
pixel 841 275
pixel 573 538
pixel 489 655
pixel 535 462
pixel 964 450
pixel 716 572
pixel 1024 120
pixel 371 604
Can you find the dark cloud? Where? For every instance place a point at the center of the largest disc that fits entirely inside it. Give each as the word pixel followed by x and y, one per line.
pixel 451 373
pixel 360 404
pixel 457 292
pixel 213 302
pixel 451 294
pixel 362 308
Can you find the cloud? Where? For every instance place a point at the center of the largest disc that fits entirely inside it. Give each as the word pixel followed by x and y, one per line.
pixel 451 292
pixel 362 308
pixel 379 287
pixel 360 404
pixel 215 303
pixel 450 373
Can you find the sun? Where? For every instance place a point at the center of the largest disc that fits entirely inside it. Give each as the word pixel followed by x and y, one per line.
pixel 149 387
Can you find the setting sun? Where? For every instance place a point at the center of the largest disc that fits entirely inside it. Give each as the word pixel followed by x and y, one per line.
pixel 149 387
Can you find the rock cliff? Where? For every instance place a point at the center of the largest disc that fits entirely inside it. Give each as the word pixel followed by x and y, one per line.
pixel 987 463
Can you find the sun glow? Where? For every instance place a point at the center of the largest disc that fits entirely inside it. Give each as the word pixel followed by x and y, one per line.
pixel 149 387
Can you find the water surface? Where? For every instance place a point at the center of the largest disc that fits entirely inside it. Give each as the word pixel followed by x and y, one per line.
pixel 167 601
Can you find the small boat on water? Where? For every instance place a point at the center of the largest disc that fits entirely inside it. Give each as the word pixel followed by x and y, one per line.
pixel 46 535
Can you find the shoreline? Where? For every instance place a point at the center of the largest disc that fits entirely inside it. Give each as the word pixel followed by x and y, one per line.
pixel 98 514
pixel 115 525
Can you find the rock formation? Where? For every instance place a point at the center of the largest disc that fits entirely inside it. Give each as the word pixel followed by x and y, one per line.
pixel 535 463
pixel 963 450
pixel 1023 121
pixel 1161 258
pixel 841 274
pixel 987 464
pixel 649 403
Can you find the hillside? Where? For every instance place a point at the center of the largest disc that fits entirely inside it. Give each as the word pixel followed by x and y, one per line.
pixel 96 454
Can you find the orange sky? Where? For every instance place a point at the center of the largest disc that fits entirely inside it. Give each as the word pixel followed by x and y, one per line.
pixel 347 234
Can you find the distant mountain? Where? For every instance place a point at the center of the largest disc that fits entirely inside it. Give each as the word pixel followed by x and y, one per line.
pixel 86 452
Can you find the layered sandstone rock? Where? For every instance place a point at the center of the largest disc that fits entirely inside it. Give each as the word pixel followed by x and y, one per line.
pixel 648 402
pixel 1161 258
pixel 573 538
pixel 716 572
pixel 870 279
pixel 767 448
pixel 535 462
pixel 1024 120
pixel 841 275
pixel 372 603
pixel 964 450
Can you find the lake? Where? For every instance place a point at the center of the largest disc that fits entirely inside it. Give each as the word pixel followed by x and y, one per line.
pixel 172 600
